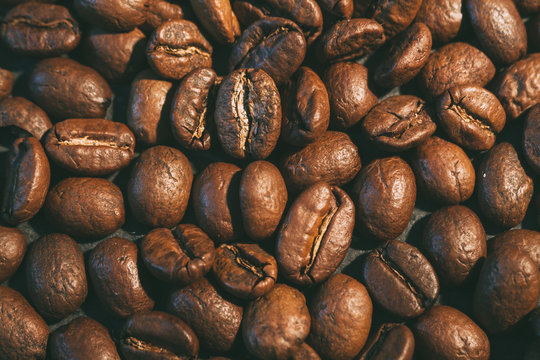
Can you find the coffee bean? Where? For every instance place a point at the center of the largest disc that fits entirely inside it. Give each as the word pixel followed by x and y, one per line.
pixel 527 241
pixel 305 352
pixel 115 15
pixel 339 8
pixel 394 16
pixel 160 11
pixel 315 234
pixel 12 250
pixel 531 138
pixel 24 114
pixel 390 341
pixel 244 128
pixel 442 17
pixel 400 279
pixel 217 17
pixel 6 82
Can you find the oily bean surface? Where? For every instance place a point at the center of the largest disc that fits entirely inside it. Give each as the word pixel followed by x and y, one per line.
pixel 523 239
pixel 218 18
pixel 114 15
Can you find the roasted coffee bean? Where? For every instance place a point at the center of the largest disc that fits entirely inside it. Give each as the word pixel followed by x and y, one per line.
pixel 443 171
pixel 275 45
pixel 159 186
pixel 471 116
pixel 350 39
pixel 214 318
pixel 244 128
pixel 499 29
pixel 245 270
pixel 386 194
pixel 276 324
pixel 81 339
pixel 400 279
pixel 92 147
pixel 407 56
pixel 160 11
pixel 340 318
pixel 504 189
pixel 40 30
pixel 115 15
pixel 527 6
pixel 148 108
pixel 157 335
pixel 340 8
pixel 85 208
pixel 12 250
pixel 507 289
pixel 55 276
pixel 192 113
pixel 390 341
pixel 333 158
pixel 24 114
pixel 6 82
pixel 452 65
pixel 394 16
pixel 531 138
pixel 263 197
pixel 518 87
pixel 27 181
pixel 399 123
pixel 217 17
pixel 305 352
pixel 527 241
pixel 348 92
pixel 315 235
pixel 215 201
pixel 454 241
pixel 181 256
pixel 459 335
pixel 442 17
pixel 66 89
pixel 115 272
pixel 23 333
pixel 176 48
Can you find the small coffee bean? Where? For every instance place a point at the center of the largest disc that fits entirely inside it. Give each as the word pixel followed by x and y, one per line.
pixel 390 341
pixel 442 17
pixel 394 16
pixel 24 114
pixel 160 11
pixel 217 17
pixel 531 138
pixel 339 8
pixel 114 15
pixel 6 82
pixel 12 250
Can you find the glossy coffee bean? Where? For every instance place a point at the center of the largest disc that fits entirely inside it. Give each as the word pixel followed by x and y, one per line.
pixel 80 339
pixel 338 8
pixel 527 241
pixel 305 352
pixel 24 114
pixel 6 82
pixel 218 18
pixel 442 17
pixel 460 335
pixel 400 279
pixel 181 256
pixel 160 11
pixel 395 16
pixel 245 129
pixel 27 181
pixel 531 138
pixel 159 187
pixel 340 318
pixel 115 15
pixel 91 147
pixel 315 234
pixel 12 250
pixel 390 341
pixel 277 324
pixel 157 335
pixel 115 271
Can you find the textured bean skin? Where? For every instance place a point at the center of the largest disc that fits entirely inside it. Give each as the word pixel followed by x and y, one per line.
pixel 531 138
pixel 523 239
pixel 391 341
pixel 24 114
pixel 393 15
pixel 442 17
pixel 12 250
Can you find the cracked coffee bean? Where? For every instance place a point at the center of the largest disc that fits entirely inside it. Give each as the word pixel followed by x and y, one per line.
pixel 12 251
pixel 113 15
pixel 24 114
pixel 390 341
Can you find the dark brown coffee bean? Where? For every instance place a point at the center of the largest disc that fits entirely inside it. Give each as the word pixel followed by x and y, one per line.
pixel 115 15
pixel 6 82
pixel 390 341
pixel 442 17
pixel 350 39
pixel 217 17
pixel 244 128
pixel 160 11
pixel 342 9
pixel 263 197
pixel 499 29
pixel 181 256
pixel 454 241
pixel 386 194
pixel 214 318
pixel 81 339
pixel 91 147
pixel 394 16
pixel 400 279
pixel 24 114
pixel 23 333
pixel 507 289
pixel 66 89
pixel 115 271
pixel 443 171
pixel 40 30
pixel 55 276
pixel 407 56
pixel 459 335
pixel 526 240
pixel 192 113
pixel 333 158
pixel 245 270
pixel 348 92
pixel 27 181
pixel 531 138
pixel 305 352
pixel 340 318
pixel 315 235
pixel 399 123
pixel 276 324
pixel 275 45
pixel 471 116
pixel 157 335
pixel 504 189
pixel 452 65
pixel 12 250
pixel 176 48
pixel 85 207
pixel 215 201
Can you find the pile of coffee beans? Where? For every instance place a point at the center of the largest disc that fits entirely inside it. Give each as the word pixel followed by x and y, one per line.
pixel 270 179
